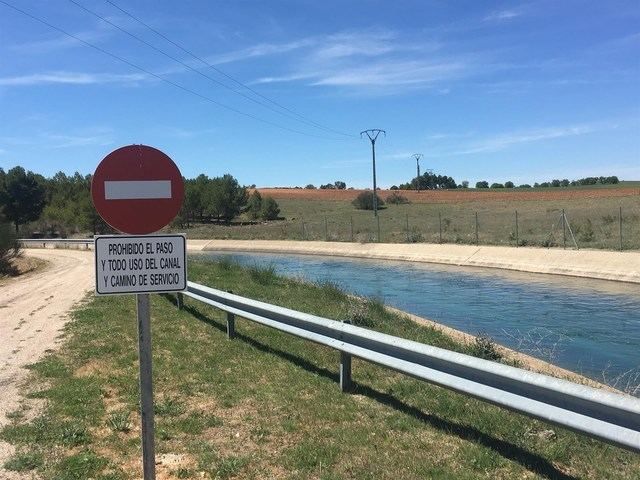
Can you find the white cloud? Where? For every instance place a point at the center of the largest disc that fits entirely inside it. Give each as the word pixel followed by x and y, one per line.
pixel 391 73
pixel 71 78
pixel 374 59
pixel 502 15
pixel 259 50
pixel 72 141
pixel 452 144
pixel 101 32
pixel 58 43
pixel 506 140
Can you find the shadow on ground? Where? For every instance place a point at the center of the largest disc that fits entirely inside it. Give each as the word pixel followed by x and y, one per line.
pixel 527 459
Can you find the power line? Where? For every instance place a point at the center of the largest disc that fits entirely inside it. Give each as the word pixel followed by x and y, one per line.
pixel 185 65
pixel 159 77
pixel 230 77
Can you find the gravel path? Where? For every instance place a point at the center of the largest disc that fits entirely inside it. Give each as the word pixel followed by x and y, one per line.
pixel 33 310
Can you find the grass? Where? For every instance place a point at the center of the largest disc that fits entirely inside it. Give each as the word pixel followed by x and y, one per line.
pixel 267 405
pixel 595 223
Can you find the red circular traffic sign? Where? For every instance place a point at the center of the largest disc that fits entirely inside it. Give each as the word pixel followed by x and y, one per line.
pixel 137 189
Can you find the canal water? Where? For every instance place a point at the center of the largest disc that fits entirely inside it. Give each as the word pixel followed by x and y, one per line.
pixel 588 326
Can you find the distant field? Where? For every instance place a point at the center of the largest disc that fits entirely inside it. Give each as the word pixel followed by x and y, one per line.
pixel 450 217
pixel 624 189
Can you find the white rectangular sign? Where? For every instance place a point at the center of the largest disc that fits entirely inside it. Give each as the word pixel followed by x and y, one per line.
pixel 137 189
pixel 140 264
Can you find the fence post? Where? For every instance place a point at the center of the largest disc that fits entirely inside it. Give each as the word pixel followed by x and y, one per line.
pixel 231 325
pixel 440 223
pixel 476 228
pixel 180 300
pixel 326 229
pixel 620 227
pixel 407 228
pixel 517 241
pixel 564 230
pixel 303 234
pixel 345 372
pixel 351 228
pixel 378 220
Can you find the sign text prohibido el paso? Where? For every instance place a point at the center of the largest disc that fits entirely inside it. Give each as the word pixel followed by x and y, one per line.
pixel 138 190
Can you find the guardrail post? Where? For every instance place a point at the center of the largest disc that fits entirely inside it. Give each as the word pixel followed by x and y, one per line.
pixel 231 325
pixel 345 372
pixel 179 300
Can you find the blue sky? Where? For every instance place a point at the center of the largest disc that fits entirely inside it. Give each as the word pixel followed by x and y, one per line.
pixel 522 91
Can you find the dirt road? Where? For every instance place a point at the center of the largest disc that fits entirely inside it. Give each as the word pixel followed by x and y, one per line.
pixel 33 309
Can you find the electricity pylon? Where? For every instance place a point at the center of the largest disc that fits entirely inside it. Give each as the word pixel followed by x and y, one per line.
pixel 417 156
pixel 373 136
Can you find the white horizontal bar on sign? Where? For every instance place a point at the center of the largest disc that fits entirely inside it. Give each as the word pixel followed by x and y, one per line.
pixel 137 189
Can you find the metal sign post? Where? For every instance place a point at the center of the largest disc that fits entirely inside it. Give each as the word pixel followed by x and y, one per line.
pixel 146 387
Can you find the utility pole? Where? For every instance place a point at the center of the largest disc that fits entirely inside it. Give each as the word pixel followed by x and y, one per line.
pixel 373 136
pixel 417 156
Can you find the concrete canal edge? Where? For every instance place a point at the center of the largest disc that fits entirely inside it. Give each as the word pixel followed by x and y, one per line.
pixel 598 264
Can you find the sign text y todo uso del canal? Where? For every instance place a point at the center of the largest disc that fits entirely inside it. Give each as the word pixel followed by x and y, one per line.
pixel 149 263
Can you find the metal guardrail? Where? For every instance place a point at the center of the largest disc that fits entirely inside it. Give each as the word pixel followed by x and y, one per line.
pixel 611 417
pixel 37 242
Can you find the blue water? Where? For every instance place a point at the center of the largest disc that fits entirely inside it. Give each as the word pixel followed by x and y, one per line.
pixel 588 326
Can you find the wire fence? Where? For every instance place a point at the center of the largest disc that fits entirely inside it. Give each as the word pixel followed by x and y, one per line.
pixel 615 231
pixel 611 229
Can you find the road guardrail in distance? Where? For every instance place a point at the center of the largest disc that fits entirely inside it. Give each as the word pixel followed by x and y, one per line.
pixel 37 242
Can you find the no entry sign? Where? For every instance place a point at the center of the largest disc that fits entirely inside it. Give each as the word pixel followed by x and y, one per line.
pixel 137 189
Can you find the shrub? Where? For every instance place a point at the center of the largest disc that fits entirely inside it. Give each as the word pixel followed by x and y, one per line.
pixel 254 205
pixel 497 185
pixel 358 313
pixel 482 184
pixel 396 199
pixel 270 209
pixel 415 236
pixel 484 347
pixel 586 232
pixel 509 184
pixel 364 201
pixel 263 275
pixel 9 249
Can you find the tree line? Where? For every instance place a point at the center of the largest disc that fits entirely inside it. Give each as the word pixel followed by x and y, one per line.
pixel 613 180
pixel 62 205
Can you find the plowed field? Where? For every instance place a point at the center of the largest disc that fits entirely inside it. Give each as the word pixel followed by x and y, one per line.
pixel 457 196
